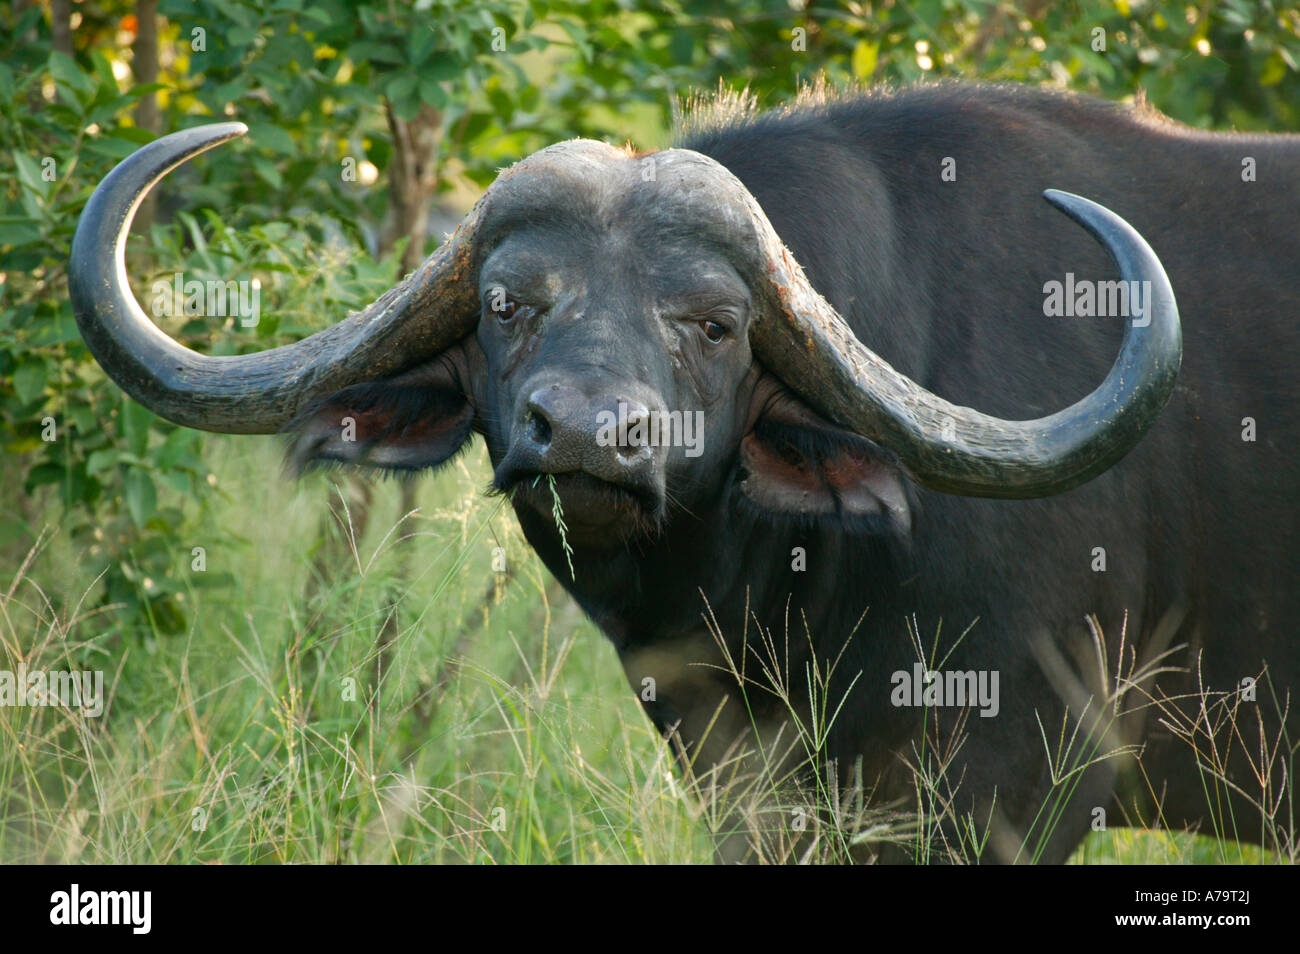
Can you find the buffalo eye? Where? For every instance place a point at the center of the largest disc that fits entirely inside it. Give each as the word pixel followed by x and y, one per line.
pixel 715 331
pixel 507 310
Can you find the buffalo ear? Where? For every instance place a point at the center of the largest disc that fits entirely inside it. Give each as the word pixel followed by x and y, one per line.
pixel 416 420
pixel 795 462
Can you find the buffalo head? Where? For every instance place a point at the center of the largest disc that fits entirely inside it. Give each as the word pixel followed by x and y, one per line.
pixel 593 303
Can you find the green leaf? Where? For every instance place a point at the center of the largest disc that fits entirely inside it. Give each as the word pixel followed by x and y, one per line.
pixel 135 134
pixel 29 174
pixel 111 147
pixel 432 93
pixel 444 68
pixel 29 380
pixel 267 171
pixel 141 496
pixel 370 50
pixel 241 35
pixel 500 100
pixel 272 137
pixel 103 459
pixel 177 450
pixel 578 33
pixel 864 59
pixel 46 473
pixel 1274 70
pixel 18 232
pixel 681 43
pixel 59 328
pixel 104 71
pixel 65 70
pixel 420 46
pixel 178 481
pixel 400 87
pixel 135 421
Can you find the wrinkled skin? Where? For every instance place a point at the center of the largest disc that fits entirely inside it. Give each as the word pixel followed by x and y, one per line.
pixel 617 327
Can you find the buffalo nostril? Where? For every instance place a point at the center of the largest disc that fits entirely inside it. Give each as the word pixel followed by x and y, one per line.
pixel 538 428
pixel 635 438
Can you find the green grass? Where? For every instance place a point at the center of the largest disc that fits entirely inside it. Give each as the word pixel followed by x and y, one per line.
pixel 434 697
pixel 499 728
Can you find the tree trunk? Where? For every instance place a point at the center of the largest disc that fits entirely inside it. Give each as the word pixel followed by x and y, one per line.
pixel 61 26
pixel 412 182
pixel 144 63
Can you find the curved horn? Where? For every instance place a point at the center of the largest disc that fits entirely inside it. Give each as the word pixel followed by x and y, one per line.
pixel 956 449
pixel 800 335
pixel 257 393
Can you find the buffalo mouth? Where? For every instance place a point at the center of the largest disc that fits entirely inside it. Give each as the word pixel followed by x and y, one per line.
pixel 594 510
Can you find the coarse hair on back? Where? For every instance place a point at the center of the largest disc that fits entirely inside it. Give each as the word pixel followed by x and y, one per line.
pixel 701 112
pixel 700 116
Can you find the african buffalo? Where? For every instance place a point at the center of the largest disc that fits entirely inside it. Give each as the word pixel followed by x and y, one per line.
pixel 679 341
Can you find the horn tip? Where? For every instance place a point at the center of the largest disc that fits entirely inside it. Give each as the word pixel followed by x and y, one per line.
pixel 1062 199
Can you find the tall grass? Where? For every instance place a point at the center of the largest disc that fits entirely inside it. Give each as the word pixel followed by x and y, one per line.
pixel 490 723
pixel 500 730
